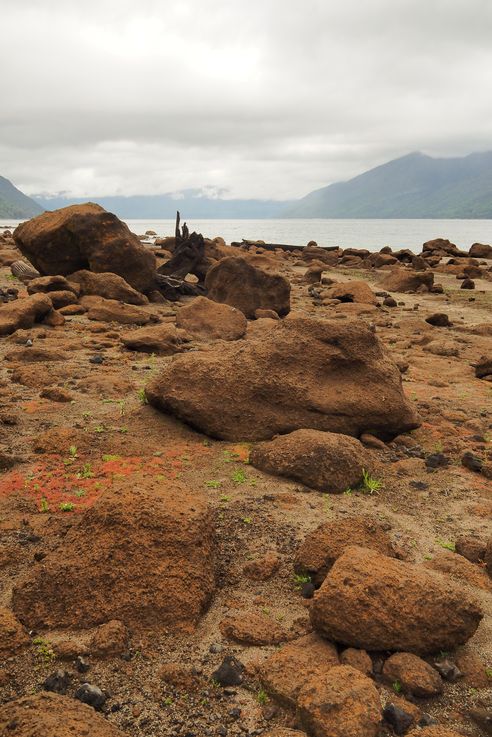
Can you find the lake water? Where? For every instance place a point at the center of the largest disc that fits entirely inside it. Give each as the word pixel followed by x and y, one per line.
pixel 371 234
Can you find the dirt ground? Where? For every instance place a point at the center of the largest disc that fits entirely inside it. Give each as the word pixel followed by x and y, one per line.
pixel 69 453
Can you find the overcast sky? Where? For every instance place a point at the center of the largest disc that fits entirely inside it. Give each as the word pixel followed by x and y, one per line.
pixel 260 98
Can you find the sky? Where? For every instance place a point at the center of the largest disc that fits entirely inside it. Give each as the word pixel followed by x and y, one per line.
pixel 240 98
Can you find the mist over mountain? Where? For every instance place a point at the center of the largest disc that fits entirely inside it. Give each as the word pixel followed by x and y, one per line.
pixel 413 186
pixel 15 204
pixel 192 202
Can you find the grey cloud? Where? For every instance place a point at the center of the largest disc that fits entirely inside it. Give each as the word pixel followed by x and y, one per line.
pixel 260 98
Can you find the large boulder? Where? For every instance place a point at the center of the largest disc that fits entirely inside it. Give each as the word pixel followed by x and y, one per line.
pixel 48 714
pixel 23 313
pixel 353 291
pixel 404 280
pixel 110 310
pixel 325 544
pixel 322 460
pixel 107 285
pixel 287 670
pixel 374 602
pixel 86 237
pixel 342 702
pixel 308 374
pixel 481 250
pixel 208 319
pixel 143 554
pixel 164 339
pixel 236 282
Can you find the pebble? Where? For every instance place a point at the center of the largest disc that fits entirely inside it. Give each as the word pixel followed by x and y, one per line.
pixel 398 719
pixel 229 672
pixel 92 695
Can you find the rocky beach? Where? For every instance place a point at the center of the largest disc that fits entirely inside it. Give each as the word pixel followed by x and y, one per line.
pixel 245 489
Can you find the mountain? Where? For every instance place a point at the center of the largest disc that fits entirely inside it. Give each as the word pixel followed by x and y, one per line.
pixel 414 186
pixel 191 203
pixel 14 204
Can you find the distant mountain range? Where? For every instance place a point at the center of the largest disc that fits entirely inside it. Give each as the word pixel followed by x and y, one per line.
pixel 191 202
pixel 413 186
pixel 14 204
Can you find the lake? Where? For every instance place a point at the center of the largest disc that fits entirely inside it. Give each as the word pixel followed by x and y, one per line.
pixel 370 234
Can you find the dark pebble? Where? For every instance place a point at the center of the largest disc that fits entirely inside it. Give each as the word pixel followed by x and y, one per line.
pixel 96 359
pixel 81 664
pixel 229 672
pixel 398 719
pixel 92 695
pixel 448 670
pixel 307 590
pixel 437 460
pixel 472 462
pixel 58 682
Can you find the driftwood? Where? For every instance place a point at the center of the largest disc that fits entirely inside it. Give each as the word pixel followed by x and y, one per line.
pixel 188 255
pixel 273 246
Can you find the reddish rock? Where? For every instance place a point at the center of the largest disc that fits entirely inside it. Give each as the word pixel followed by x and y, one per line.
pixel 457 567
pixel 374 602
pixel 23 313
pixel 152 563
pixel 107 285
pixel 48 714
pixel 13 637
pixel 236 282
pixel 357 659
pixel 110 639
pixel 208 319
pixel 324 545
pixel 47 284
pixel 287 671
pixel 63 298
pixel 353 291
pixel 251 628
pixel 309 374
pixel 85 237
pixel 261 569
pixel 416 677
pixel 482 369
pixel 322 460
pixel 405 280
pixel 108 310
pixel 163 339
pixel 481 250
pixel 341 703
pixel 470 547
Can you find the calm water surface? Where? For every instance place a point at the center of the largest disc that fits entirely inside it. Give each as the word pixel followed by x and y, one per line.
pixel 371 234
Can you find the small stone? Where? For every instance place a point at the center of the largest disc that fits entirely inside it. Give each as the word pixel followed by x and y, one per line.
pixel 81 664
pixel 92 695
pixel 229 672
pixel 307 590
pixel 58 682
pixel 399 720
pixel 467 284
pixel 96 360
pixel 448 670
pixel 438 319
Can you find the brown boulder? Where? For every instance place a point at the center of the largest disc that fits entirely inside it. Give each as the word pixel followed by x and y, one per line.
pixel 482 368
pixel 252 628
pixel 85 237
pixel 357 659
pixel 353 291
pixel 308 374
pixel 404 280
pixel 107 285
pixel 153 564
pixel 236 282
pixel 12 634
pixel 208 319
pixel 415 676
pixel 289 669
pixel 48 714
pixel 377 603
pixel 163 339
pixel 325 461
pixel 109 310
pixel 480 250
pixel 23 313
pixel 340 703
pixel 324 545
pixel 110 639
pixel 62 298
pixel 47 284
